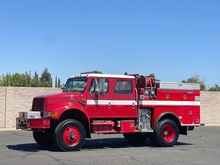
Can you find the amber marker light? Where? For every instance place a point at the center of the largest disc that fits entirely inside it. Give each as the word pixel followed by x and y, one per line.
pixel 83 100
pixel 53 114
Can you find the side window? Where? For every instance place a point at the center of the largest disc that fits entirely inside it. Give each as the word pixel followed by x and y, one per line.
pixel 93 86
pixel 123 87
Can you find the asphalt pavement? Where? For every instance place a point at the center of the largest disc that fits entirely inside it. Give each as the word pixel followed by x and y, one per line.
pixel 200 147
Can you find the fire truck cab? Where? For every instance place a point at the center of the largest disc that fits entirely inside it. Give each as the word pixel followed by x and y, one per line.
pixel 139 107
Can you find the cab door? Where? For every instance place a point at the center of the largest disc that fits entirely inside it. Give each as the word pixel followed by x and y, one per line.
pixel 124 104
pixel 98 104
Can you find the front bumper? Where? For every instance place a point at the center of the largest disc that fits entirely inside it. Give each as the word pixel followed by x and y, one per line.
pixel 31 120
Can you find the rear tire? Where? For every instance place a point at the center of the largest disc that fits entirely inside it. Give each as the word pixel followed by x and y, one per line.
pixel 70 135
pixel 135 137
pixel 167 133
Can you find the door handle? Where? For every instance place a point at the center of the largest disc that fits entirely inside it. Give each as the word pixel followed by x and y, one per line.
pixel 109 104
pixel 133 104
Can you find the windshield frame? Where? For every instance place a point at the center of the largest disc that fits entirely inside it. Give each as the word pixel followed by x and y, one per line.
pixel 72 83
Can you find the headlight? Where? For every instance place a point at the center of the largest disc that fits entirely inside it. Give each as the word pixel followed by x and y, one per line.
pixel 50 114
pixel 46 114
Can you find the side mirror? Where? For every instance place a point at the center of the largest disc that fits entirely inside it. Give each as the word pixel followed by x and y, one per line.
pixel 100 86
pixel 62 87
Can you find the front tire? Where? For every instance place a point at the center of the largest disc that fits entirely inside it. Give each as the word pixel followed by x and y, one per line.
pixel 167 133
pixel 43 138
pixel 70 135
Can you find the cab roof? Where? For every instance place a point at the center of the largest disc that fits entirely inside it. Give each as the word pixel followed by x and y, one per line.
pixel 103 75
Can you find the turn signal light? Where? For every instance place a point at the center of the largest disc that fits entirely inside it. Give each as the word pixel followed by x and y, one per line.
pixel 53 114
pixel 83 100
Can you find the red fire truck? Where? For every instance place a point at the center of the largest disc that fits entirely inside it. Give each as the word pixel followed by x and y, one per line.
pixel 139 107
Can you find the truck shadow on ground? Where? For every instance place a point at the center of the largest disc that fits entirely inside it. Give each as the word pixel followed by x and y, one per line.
pixel 89 145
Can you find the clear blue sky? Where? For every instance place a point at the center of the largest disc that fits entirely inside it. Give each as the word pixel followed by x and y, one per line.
pixel 171 38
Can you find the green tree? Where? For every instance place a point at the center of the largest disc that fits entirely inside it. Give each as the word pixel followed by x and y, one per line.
pixel 46 79
pixel 35 80
pixel 5 80
pixel 17 80
pixel 8 80
pixel 26 80
pixel 196 79
pixel 58 83
pixel 215 88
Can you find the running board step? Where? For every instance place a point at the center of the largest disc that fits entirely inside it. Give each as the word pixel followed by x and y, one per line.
pixel 103 126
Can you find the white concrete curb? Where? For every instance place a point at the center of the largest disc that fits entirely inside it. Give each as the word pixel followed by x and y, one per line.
pixel 7 129
pixel 212 124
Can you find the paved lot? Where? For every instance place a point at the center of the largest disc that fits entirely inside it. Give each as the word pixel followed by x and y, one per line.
pixel 200 147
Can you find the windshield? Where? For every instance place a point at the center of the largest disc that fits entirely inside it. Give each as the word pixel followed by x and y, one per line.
pixel 75 84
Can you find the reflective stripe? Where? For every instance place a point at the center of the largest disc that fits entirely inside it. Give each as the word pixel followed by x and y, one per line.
pixel 123 102
pixel 179 103
pixel 100 102
pixel 112 102
pixel 150 102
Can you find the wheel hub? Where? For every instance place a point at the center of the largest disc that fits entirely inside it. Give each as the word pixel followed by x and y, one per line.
pixel 168 133
pixel 72 135
pixel 165 132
